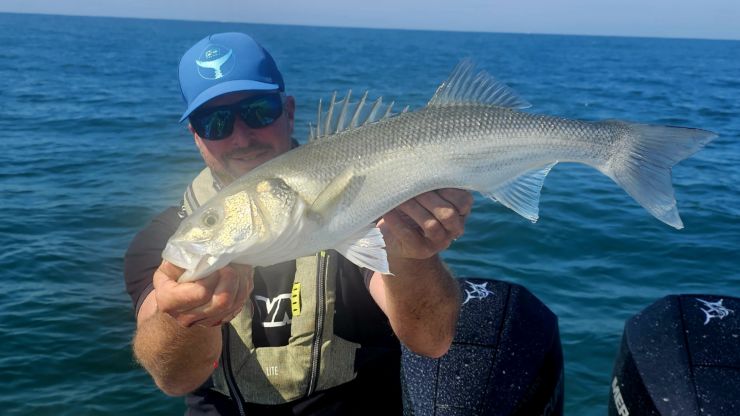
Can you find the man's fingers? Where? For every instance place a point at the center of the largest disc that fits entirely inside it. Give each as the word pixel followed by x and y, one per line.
pixel 222 299
pixel 173 297
pixel 215 321
pixel 246 283
pixel 461 199
pixel 407 239
pixel 430 226
pixel 444 212
pixel 170 270
pixel 402 227
pixel 228 299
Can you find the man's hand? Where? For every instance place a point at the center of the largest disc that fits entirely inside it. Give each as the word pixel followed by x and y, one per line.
pixel 177 338
pixel 208 302
pixel 427 224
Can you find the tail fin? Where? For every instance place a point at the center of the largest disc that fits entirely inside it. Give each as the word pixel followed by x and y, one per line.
pixel 644 168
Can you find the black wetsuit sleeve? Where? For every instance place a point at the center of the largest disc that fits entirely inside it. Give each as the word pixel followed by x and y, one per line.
pixel 367 274
pixel 144 255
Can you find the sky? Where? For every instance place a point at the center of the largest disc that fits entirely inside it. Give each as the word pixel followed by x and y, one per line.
pixel 710 19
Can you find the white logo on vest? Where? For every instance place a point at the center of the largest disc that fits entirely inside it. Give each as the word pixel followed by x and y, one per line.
pixel 714 310
pixel 215 62
pixel 477 291
pixel 276 311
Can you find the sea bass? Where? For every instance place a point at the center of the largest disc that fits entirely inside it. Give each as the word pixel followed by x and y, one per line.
pixel 359 165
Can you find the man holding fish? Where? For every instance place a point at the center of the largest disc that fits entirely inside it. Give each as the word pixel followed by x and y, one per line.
pixel 278 292
pixel 318 334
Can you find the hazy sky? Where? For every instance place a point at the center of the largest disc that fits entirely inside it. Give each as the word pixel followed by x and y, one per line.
pixel 717 19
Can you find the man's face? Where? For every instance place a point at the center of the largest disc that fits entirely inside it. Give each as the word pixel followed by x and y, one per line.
pixel 247 147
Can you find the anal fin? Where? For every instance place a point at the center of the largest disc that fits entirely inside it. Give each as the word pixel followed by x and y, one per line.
pixel 522 193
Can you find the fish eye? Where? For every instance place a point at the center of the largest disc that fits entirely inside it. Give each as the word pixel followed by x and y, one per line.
pixel 209 219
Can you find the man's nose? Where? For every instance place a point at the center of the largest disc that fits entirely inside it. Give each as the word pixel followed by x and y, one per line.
pixel 242 135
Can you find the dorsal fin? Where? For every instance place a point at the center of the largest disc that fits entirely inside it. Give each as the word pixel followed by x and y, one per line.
pixel 466 86
pixel 356 115
pixel 330 114
pixel 343 115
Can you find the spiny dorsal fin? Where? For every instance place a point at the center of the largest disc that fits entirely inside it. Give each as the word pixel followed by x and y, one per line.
pixel 349 116
pixel 330 114
pixel 313 134
pixel 343 113
pixel 466 86
pixel 356 115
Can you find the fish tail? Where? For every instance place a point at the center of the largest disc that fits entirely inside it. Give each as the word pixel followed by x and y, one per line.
pixel 643 166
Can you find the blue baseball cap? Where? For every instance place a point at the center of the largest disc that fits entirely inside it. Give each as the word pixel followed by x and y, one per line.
pixel 223 63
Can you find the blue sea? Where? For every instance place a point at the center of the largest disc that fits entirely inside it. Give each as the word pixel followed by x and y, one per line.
pixel 91 150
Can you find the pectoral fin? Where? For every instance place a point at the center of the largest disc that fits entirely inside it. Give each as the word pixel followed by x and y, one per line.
pixel 343 187
pixel 366 248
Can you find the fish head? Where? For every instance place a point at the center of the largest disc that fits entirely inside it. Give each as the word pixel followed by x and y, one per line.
pixel 234 226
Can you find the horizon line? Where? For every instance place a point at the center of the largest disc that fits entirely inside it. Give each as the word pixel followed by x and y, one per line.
pixel 373 28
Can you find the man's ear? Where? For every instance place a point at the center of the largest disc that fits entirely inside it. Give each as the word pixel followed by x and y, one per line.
pixel 196 138
pixel 290 111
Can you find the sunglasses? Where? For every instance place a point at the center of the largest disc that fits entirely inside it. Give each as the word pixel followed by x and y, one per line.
pixel 217 123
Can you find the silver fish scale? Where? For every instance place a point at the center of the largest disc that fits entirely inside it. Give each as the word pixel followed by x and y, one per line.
pixel 436 147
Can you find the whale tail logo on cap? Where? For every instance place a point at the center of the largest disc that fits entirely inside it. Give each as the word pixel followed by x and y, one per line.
pixel 223 63
pixel 215 62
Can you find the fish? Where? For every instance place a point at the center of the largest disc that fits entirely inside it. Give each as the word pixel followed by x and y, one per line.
pixel 362 161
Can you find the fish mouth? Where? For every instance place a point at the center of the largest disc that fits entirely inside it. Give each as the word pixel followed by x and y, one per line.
pixel 177 256
pixel 193 259
pixel 206 265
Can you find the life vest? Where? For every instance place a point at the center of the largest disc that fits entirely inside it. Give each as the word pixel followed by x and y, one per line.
pixel 314 359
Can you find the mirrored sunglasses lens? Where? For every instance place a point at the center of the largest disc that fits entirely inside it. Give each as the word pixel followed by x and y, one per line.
pixel 214 126
pixel 262 111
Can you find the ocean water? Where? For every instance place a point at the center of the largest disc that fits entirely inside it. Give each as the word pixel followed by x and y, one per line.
pixel 91 150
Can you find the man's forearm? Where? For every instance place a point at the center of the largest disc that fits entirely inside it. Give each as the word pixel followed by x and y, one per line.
pixel 179 359
pixel 423 302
